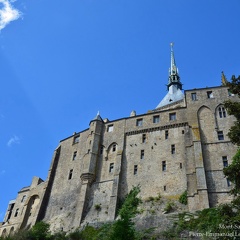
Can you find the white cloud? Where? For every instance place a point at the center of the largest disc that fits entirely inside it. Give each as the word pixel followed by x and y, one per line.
pixel 7 13
pixel 14 140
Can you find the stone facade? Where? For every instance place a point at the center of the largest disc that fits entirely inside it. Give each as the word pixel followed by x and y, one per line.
pixel 180 146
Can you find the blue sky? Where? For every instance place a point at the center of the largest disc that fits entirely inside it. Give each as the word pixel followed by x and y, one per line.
pixel 63 61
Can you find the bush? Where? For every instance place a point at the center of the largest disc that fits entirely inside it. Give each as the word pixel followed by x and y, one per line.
pixel 169 207
pixel 40 231
pixel 183 198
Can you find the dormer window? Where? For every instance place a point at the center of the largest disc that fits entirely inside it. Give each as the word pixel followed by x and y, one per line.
pixel 76 139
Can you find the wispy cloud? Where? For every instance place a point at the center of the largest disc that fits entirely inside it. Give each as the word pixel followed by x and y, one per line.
pixel 7 13
pixel 14 140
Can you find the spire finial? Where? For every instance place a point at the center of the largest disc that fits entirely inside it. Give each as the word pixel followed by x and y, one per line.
pixel 173 71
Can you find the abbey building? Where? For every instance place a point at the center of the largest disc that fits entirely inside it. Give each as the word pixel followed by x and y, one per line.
pixel 180 145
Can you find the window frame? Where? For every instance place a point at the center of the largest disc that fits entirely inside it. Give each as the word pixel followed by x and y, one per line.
pixel 172 116
pixel 76 139
pixel 139 122
pixel 74 155
pixel 166 134
pixel 111 167
pixel 164 166
pixel 70 174
pixel 194 96
pixel 225 161
pixel 110 128
pixel 173 149
pixel 210 94
pixel 156 119
pixel 135 169
pixel 220 135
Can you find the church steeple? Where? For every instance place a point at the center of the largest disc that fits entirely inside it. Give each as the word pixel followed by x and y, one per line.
pixel 174 78
pixel 174 85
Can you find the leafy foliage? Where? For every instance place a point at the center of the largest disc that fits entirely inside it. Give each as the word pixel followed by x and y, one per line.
pixel 233 108
pixel 183 198
pixel 169 207
pixel 123 228
pixel 233 173
pixel 40 231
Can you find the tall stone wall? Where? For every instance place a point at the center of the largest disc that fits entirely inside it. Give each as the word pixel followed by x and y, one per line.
pixel 165 151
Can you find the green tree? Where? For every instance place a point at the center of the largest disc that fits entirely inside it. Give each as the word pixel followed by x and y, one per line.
pixel 233 108
pixel 40 231
pixel 232 172
pixel 124 227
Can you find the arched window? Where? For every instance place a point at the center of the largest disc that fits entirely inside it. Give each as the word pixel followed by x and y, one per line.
pixel 222 112
pixel 11 231
pixel 4 232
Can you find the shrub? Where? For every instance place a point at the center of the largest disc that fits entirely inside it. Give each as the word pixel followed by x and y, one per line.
pixel 98 207
pixel 169 207
pixel 183 198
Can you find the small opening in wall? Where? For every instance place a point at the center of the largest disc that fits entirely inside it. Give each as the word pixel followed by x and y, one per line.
pixel 70 174
pixel 164 188
pixel 111 167
pixel 135 169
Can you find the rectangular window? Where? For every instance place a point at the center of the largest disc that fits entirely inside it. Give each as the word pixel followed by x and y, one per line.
pixel 164 166
pixel 110 128
pixel 220 135
pixel 173 150
pixel 164 188
pixel 194 96
pixel 143 138
pixel 142 154
pixel 156 119
pixel 180 166
pixel 16 213
pixel 225 161
pixel 76 139
pixel 70 174
pixel 166 134
pixel 114 147
pixel 135 169
pixel 101 149
pixel 139 122
pixel 111 167
pixel 222 112
pixel 209 94
pixel 74 155
pixel 172 116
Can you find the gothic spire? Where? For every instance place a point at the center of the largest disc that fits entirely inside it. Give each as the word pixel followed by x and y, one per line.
pixel 174 85
pixel 174 78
